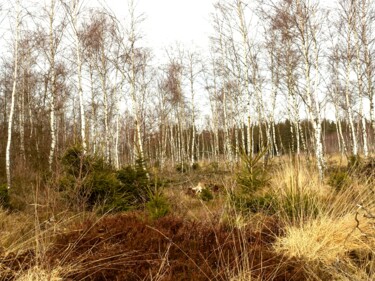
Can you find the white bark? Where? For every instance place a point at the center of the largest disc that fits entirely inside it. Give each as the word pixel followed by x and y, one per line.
pixel 53 86
pixel 73 13
pixel 13 98
pixel 308 39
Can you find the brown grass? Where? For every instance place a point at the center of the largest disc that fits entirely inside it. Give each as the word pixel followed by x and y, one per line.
pixel 198 240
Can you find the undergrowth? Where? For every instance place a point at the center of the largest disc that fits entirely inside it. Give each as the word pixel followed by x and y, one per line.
pixel 265 222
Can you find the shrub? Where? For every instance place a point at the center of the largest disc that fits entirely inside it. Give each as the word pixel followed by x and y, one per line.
pixel 206 195
pixel 89 179
pixel 135 182
pixel 338 179
pixel 158 206
pixel 195 166
pixel 254 203
pixel 4 196
pixel 253 176
pixel 182 167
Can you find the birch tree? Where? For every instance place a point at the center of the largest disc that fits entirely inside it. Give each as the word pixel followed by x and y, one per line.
pixel 73 10
pixel 17 26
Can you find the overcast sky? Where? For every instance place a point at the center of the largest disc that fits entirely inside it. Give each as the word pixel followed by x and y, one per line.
pixel 170 21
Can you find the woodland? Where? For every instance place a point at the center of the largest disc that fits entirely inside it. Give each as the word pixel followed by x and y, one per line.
pixel 252 160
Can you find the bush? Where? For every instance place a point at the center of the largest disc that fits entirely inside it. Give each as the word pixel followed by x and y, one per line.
pixel 158 207
pixel 253 175
pixel 135 182
pixel 338 179
pixel 4 196
pixel 195 166
pixel 89 180
pixel 206 195
pixel 182 167
pixel 255 203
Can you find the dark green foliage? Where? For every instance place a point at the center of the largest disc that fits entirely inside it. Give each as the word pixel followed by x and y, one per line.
pixel 4 196
pixel 255 203
pixel 354 162
pixel 182 167
pixel 135 182
pixel 297 205
pixel 252 178
pixel 253 175
pixel 157 206
pixel 206 195
pixel 89 180
pixel 195 166
pixel 339 179
pixel 213 166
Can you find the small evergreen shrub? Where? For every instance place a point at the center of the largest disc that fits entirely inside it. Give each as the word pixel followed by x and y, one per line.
pixel 253 175
pixel 255 203
pixel 158 207
pixel 182 167
pixel 206 195
pixel 90 180
pixel 4 196
pixel 339 179
pixel 135 182
pixel 195 166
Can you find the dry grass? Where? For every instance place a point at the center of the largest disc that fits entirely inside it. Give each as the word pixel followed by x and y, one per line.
pixel 38 274
pixel 316 233
pixel 299 175
pixel 15 230
pixel 325 239
pixel 338 242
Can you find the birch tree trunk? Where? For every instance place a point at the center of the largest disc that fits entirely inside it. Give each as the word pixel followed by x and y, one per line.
pixel 13 98
pixel 360 80
pixel 53 85
pixel 73 13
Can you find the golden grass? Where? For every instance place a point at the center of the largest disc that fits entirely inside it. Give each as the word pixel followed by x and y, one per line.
pixel 298 176
pixel 15 229
pixel 38 274
pixel 325 239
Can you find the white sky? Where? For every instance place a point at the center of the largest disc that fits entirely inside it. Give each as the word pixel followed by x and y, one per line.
pixel 171 21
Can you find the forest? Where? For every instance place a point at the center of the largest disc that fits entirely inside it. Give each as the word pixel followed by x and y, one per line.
pixel 251 160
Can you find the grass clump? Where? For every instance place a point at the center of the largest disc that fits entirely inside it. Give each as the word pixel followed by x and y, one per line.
pixel 298 193
pixel 327 244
